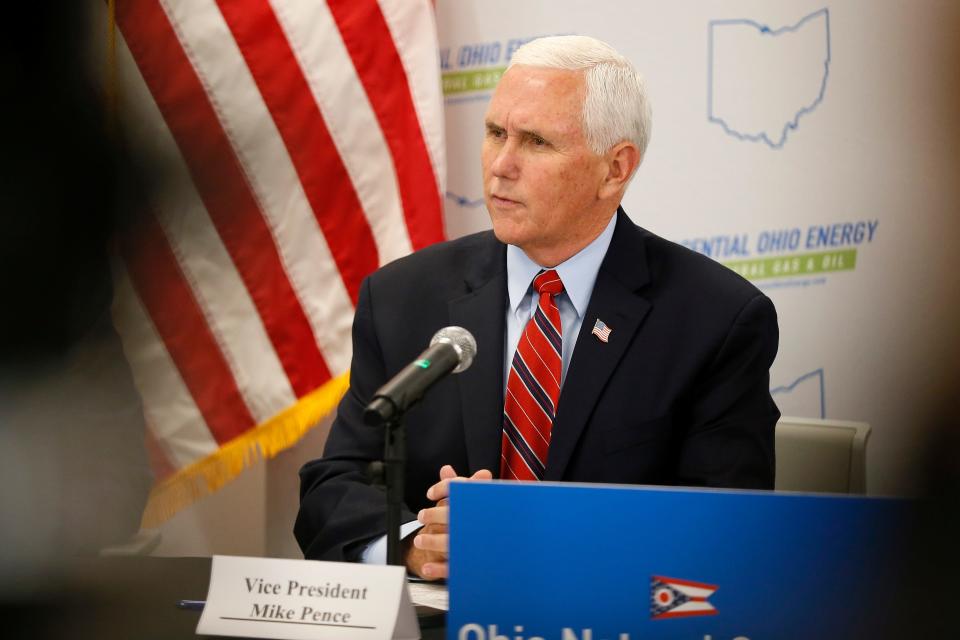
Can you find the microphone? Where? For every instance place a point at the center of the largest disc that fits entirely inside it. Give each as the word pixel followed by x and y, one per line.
pixel 451 350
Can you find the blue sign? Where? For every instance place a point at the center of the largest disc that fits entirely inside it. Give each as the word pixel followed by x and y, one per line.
pixel 592 562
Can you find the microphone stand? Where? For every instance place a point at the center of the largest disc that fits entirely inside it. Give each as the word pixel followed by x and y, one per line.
pixel 388 406
pixel 394 458
pixel 391 471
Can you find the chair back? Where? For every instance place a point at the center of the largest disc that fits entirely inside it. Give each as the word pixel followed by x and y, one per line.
pixel 823 456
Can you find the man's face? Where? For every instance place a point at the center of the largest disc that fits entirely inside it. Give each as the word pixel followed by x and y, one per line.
pixel 540 179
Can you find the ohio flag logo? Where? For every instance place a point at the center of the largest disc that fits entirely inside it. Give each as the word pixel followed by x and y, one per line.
pixel 675 598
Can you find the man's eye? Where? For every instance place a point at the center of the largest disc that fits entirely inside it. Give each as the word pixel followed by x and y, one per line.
pixel 537 141
pixel 496 133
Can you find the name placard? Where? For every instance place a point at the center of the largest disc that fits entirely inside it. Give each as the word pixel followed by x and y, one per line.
pixel 307 599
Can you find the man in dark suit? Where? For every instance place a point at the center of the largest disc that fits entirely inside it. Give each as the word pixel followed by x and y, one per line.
pixel 676 393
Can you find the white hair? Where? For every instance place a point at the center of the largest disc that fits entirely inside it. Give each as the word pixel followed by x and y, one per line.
pixel 616 107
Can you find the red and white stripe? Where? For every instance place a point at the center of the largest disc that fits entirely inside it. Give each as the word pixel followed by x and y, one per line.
pixel 300 147
pixel 533 387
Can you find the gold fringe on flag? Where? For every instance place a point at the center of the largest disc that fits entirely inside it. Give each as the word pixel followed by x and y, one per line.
pixel 264 441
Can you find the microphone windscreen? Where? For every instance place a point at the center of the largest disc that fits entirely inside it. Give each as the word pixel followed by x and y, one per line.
pixel 462 340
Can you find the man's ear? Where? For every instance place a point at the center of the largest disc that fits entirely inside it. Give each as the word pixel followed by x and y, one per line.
pixel 622 160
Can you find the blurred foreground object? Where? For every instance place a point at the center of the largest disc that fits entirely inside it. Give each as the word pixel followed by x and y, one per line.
pixel 73 468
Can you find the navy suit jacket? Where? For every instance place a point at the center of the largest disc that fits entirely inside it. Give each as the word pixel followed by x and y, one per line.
pixel 678 396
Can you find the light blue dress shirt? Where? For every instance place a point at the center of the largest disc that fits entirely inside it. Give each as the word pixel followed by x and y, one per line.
pixel 578 274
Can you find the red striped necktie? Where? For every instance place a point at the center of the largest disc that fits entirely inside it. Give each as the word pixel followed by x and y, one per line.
pixel 533 387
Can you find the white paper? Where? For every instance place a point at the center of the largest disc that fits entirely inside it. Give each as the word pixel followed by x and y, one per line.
pixel 429 594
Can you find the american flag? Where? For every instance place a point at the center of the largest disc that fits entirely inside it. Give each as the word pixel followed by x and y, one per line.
pixel 676 598
pixel 302 147
pixel 601 330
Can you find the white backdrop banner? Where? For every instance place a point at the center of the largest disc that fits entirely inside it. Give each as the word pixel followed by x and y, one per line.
pixel 811 148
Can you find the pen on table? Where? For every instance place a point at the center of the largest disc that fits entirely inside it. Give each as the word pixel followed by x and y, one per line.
pixel 191 605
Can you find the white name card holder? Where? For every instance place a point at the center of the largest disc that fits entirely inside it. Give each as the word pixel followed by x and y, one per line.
pixel 307 600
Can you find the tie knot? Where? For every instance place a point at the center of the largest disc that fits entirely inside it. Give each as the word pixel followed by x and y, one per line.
pixel 548 282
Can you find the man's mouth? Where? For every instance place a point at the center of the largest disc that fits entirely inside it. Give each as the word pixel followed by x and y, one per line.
pixel 502 201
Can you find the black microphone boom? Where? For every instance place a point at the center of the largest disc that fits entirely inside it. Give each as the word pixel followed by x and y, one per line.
pixel 451 350
pixel 408 386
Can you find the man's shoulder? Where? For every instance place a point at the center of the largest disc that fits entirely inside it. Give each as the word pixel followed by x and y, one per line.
pixel 679 278
pixel 673 262
pixel 452 260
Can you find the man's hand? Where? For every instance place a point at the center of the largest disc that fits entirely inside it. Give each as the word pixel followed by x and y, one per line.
pixel 427 557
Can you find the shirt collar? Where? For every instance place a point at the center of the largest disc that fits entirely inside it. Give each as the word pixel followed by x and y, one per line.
pixel 578 273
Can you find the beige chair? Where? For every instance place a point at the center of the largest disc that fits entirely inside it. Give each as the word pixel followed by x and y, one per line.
pixel 827 456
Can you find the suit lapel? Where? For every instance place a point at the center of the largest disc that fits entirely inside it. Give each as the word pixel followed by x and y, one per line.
pixel 482 312
pixel 614 301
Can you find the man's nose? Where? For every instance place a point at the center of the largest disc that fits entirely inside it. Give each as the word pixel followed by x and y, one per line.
pixel 506 163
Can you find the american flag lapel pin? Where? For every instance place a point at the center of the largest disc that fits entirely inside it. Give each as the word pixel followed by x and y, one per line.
pixel 601 330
